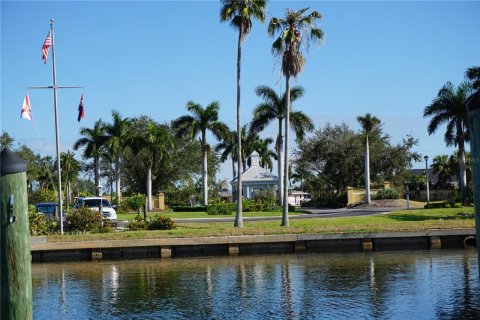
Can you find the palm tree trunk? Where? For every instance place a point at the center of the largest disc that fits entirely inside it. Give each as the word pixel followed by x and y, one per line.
pixel 285 222
pixel 280 162
pixel 234 173
pixel 117 179
pixel 238 214
pixel 204 169
pixel 149 188
pixel 463 171
pixel 367 173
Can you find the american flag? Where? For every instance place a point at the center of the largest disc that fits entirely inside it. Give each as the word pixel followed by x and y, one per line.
pixel 45 47
pixel 81 109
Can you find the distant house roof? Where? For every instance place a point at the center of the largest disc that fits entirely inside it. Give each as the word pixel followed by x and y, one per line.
pixel 256 173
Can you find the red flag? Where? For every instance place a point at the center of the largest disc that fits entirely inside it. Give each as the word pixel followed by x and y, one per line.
pixel 81 109
pixel 45 47
pixel 26 109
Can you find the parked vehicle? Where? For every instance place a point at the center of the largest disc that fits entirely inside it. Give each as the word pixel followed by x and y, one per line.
pixel 108 212
pixel 49 209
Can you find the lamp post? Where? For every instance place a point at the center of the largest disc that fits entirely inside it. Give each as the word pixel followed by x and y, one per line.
pixel 100 193
pixel 427 182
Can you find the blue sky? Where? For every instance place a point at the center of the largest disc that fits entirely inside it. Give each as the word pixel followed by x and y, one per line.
pixel 386 58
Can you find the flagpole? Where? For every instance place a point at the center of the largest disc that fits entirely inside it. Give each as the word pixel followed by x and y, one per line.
pixel 56 128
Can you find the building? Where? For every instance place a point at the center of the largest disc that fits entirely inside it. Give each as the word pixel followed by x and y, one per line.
pixel 255 179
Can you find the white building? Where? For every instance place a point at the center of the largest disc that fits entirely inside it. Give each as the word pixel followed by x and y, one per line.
pixel 296 198
pixel 255 179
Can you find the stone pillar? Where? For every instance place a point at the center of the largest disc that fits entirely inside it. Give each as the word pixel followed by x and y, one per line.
pixel 233 250
pixel 350 197
pixel 367 245
pixel 166 252
pixel 161 202
pixel 386 185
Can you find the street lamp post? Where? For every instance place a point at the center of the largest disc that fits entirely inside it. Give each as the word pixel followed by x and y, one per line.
pixel 427 182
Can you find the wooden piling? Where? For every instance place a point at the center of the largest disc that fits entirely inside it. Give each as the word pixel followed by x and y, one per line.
pixel 15 258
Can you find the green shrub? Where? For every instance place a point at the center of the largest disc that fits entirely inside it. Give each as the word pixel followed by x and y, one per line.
pixel 220 208
pixel 136 202
pixel 329 200
pixel 40 225
pixel 386 194
pixel 160 222
pixel 189 209
pixel 85 220
pixel 444 204
pixel 42 196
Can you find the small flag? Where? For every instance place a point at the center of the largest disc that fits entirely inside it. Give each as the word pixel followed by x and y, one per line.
pixel 81 109
pixel 26 109
pixel 45 47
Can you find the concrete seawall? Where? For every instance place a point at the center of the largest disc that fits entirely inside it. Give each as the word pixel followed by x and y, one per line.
pixel 43 251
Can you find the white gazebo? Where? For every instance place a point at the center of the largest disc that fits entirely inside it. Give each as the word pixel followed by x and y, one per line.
pixel 255 179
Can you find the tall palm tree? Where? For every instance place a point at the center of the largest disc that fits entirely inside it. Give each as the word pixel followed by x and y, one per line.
pixel 227 147
pixel 156 141
pixel 274 108
pixel 201 121
pixel 70 169
pixel 92 141
pixel 442 168
pixel 298 28
pixel 240 14
pixel 369 125
pixel 449 108
pixel 117 139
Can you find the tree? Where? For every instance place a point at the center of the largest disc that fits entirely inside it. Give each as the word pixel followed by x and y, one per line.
pixel 70 169
pixel 117 140
pixel 93 140
pixel 473 74
pixel 296 29
pixel 240 14
pixel 441 167
pixel 228 147
pixel 274 108
pixel 201 121
pixel 156 141
pixel 6 141
pixel 369 124
pixel 449 108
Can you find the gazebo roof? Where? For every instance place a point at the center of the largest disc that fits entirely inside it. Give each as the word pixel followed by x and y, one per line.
pixel 256 173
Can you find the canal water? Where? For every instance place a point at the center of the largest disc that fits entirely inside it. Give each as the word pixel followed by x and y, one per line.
pixel 380 285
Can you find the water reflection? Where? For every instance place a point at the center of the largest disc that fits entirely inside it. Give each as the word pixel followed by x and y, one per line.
pixel 386 285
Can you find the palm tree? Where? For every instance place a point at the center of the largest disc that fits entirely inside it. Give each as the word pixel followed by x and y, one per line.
pixel 201 120
pixel 93 141
pixel 369 125
pixel 274 108
pixel 155 141
pixel 228 144
pixel 297 29
pixel 449 108
pixel 70 169
pixel 117 139
pixel 240 13
pixel 442 168
pixel 473 74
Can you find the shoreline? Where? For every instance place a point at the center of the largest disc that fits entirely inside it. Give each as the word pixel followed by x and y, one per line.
pixel 97 250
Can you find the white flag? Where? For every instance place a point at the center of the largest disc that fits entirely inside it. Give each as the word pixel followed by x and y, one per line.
pixel 26 109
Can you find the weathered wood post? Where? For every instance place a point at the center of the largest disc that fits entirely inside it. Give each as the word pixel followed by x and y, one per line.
pixel 473 108
pixel 15 259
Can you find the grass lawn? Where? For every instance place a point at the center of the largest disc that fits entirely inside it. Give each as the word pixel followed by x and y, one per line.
pixel 188 215
pixel 411 220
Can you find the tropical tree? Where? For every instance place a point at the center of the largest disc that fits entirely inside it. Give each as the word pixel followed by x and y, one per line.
pixel 156 141
pixel 369 124
pixel 296 30
pixel 227 147
pixel 473 74
pixel 6 141
pixel 117 138
pixel 274 108
pixel 449 108
pixel 201 121
pixel 70 167
pixel 442 168
pixel 240 14
pixel 92 141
